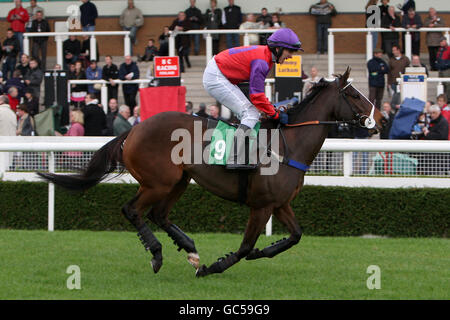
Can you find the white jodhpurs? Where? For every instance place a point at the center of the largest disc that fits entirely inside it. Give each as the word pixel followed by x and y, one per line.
pixel 229 95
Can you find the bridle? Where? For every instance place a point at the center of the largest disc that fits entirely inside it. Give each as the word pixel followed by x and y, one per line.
pixel 362 120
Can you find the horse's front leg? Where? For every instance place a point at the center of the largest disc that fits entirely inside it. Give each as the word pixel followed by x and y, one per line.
pixel 286 216
pixel 257 221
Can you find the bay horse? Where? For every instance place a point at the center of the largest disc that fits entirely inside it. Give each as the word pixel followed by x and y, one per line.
pixel 145 152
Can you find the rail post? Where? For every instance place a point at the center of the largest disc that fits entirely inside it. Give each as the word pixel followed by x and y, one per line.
pixel 51 193
pixel 330 54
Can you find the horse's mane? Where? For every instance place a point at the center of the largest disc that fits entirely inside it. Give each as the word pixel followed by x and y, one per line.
pixel 314 91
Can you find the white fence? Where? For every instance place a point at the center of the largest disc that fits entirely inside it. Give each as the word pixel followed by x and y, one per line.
pixel 93 41
pixel 341 162
pixel 369 48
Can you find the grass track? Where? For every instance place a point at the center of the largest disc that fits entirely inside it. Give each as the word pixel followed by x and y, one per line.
pixel 114 266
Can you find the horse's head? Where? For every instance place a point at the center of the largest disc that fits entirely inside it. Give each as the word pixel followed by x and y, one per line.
pixel 353 105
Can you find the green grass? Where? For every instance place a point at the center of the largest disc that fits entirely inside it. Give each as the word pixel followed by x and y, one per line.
pixel 114 265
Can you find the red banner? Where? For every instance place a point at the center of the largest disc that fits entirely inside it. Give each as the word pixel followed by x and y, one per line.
pixel 154 100
pixel 166 67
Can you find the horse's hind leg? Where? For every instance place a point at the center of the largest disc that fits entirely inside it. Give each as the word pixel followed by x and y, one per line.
pixel 159 215
pixel 256 223
pixel 145 234
pixel 286 216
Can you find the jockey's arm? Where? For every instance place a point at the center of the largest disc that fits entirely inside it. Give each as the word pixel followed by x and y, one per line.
pixel 258 73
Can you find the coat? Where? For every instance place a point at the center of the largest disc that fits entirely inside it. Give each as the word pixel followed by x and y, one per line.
pixel 15 47
pixel 387 22
pixel 323 12
pixel 194 15
pixel 18 25
pixel 438 130
pixel 233 17
pixel 377 69
pixel 8 121
pixel 415 36
pixel 182 40
pixel 396 67
pixel 35 76
pixel 434 38
pixel 121 125
pixel 89 13
pixel 131 18
pixel 40 26
pixel 94 119
pixel 123 71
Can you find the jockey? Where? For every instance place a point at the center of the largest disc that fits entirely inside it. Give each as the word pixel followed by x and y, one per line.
pixel 251 63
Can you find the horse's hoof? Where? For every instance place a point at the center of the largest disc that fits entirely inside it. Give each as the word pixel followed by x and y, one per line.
pixel 156 265
pixel 201 272
pixel 194 259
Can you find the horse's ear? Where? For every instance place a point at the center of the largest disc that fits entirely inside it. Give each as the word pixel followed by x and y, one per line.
pixel 344 78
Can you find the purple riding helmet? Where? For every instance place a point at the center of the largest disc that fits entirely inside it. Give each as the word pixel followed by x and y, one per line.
pixel 283 38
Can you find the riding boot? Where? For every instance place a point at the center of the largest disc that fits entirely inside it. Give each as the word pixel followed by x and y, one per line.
pixel 241 152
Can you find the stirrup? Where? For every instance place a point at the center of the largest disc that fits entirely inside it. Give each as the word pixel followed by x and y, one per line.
pixel 243 147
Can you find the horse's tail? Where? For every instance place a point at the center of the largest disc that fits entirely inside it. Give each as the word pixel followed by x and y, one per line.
pixel 103 162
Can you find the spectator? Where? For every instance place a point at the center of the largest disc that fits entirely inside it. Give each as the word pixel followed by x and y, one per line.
pixel 214 112
pixel 413 20
pixel 264 19
pixel 397 65
pixel 8 119
pixel 57 66
pixel 150 51
pixel 384 7
pixel 135 119
pixel 276 23
pixel 85 54
pixel 249 24
pixel 16 81
pixel 40 43
pixel 131 20
pixel 202 111
pixel 10 49
pixel 195 17
pixel 377 68
pixel 323 11
pixel 415 62
pixel 443 63
pixel 433 38
pixel 121 124
pixel 445 108
pixel 232 19
pixel 31 102
pixel 129 71
pixel 25 126
pixel 164 42
pixel 189 107
pixel 407 4
pixel 13 98
pixel 71 49
pixel 309 82
pixel 389 116
pixel 110 72
pixel 18 17
pixel 32 10
pixel 76 128
pixel 93 72
pixel 78 91
pixel 438 125
pixel 89 13
pixel 24 65
pixel 213 20
pixel 182 42
pixel 390 39
pixel 370 23
pixel 33 78
pixel 111 116
pixel 94 117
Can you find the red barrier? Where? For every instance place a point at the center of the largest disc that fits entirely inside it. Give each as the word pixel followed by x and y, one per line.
pixel 154 100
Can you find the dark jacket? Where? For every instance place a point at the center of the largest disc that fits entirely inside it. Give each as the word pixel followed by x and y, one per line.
pixel 163 45
pixel 410 4
pixel 32 106
pixel 94 120
pixel 387 22
pixel 415 36
pixel 323 12
pixel 86 49
pixel 123 71
pixel 89 13
pixel 438 129
pixel 40 26
pixel 121 125
pixel 110 117
pixel 194 15
pixel 182 41
pixel 73 47
pixel 233 17
pixel 377 69
pixel 23 69
pixel 15 82
pixel 79 76
pixel 150 53
pixel 111 72
pixel 15 50
pixel 213 20
pixel 35 76
pixel 384 134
